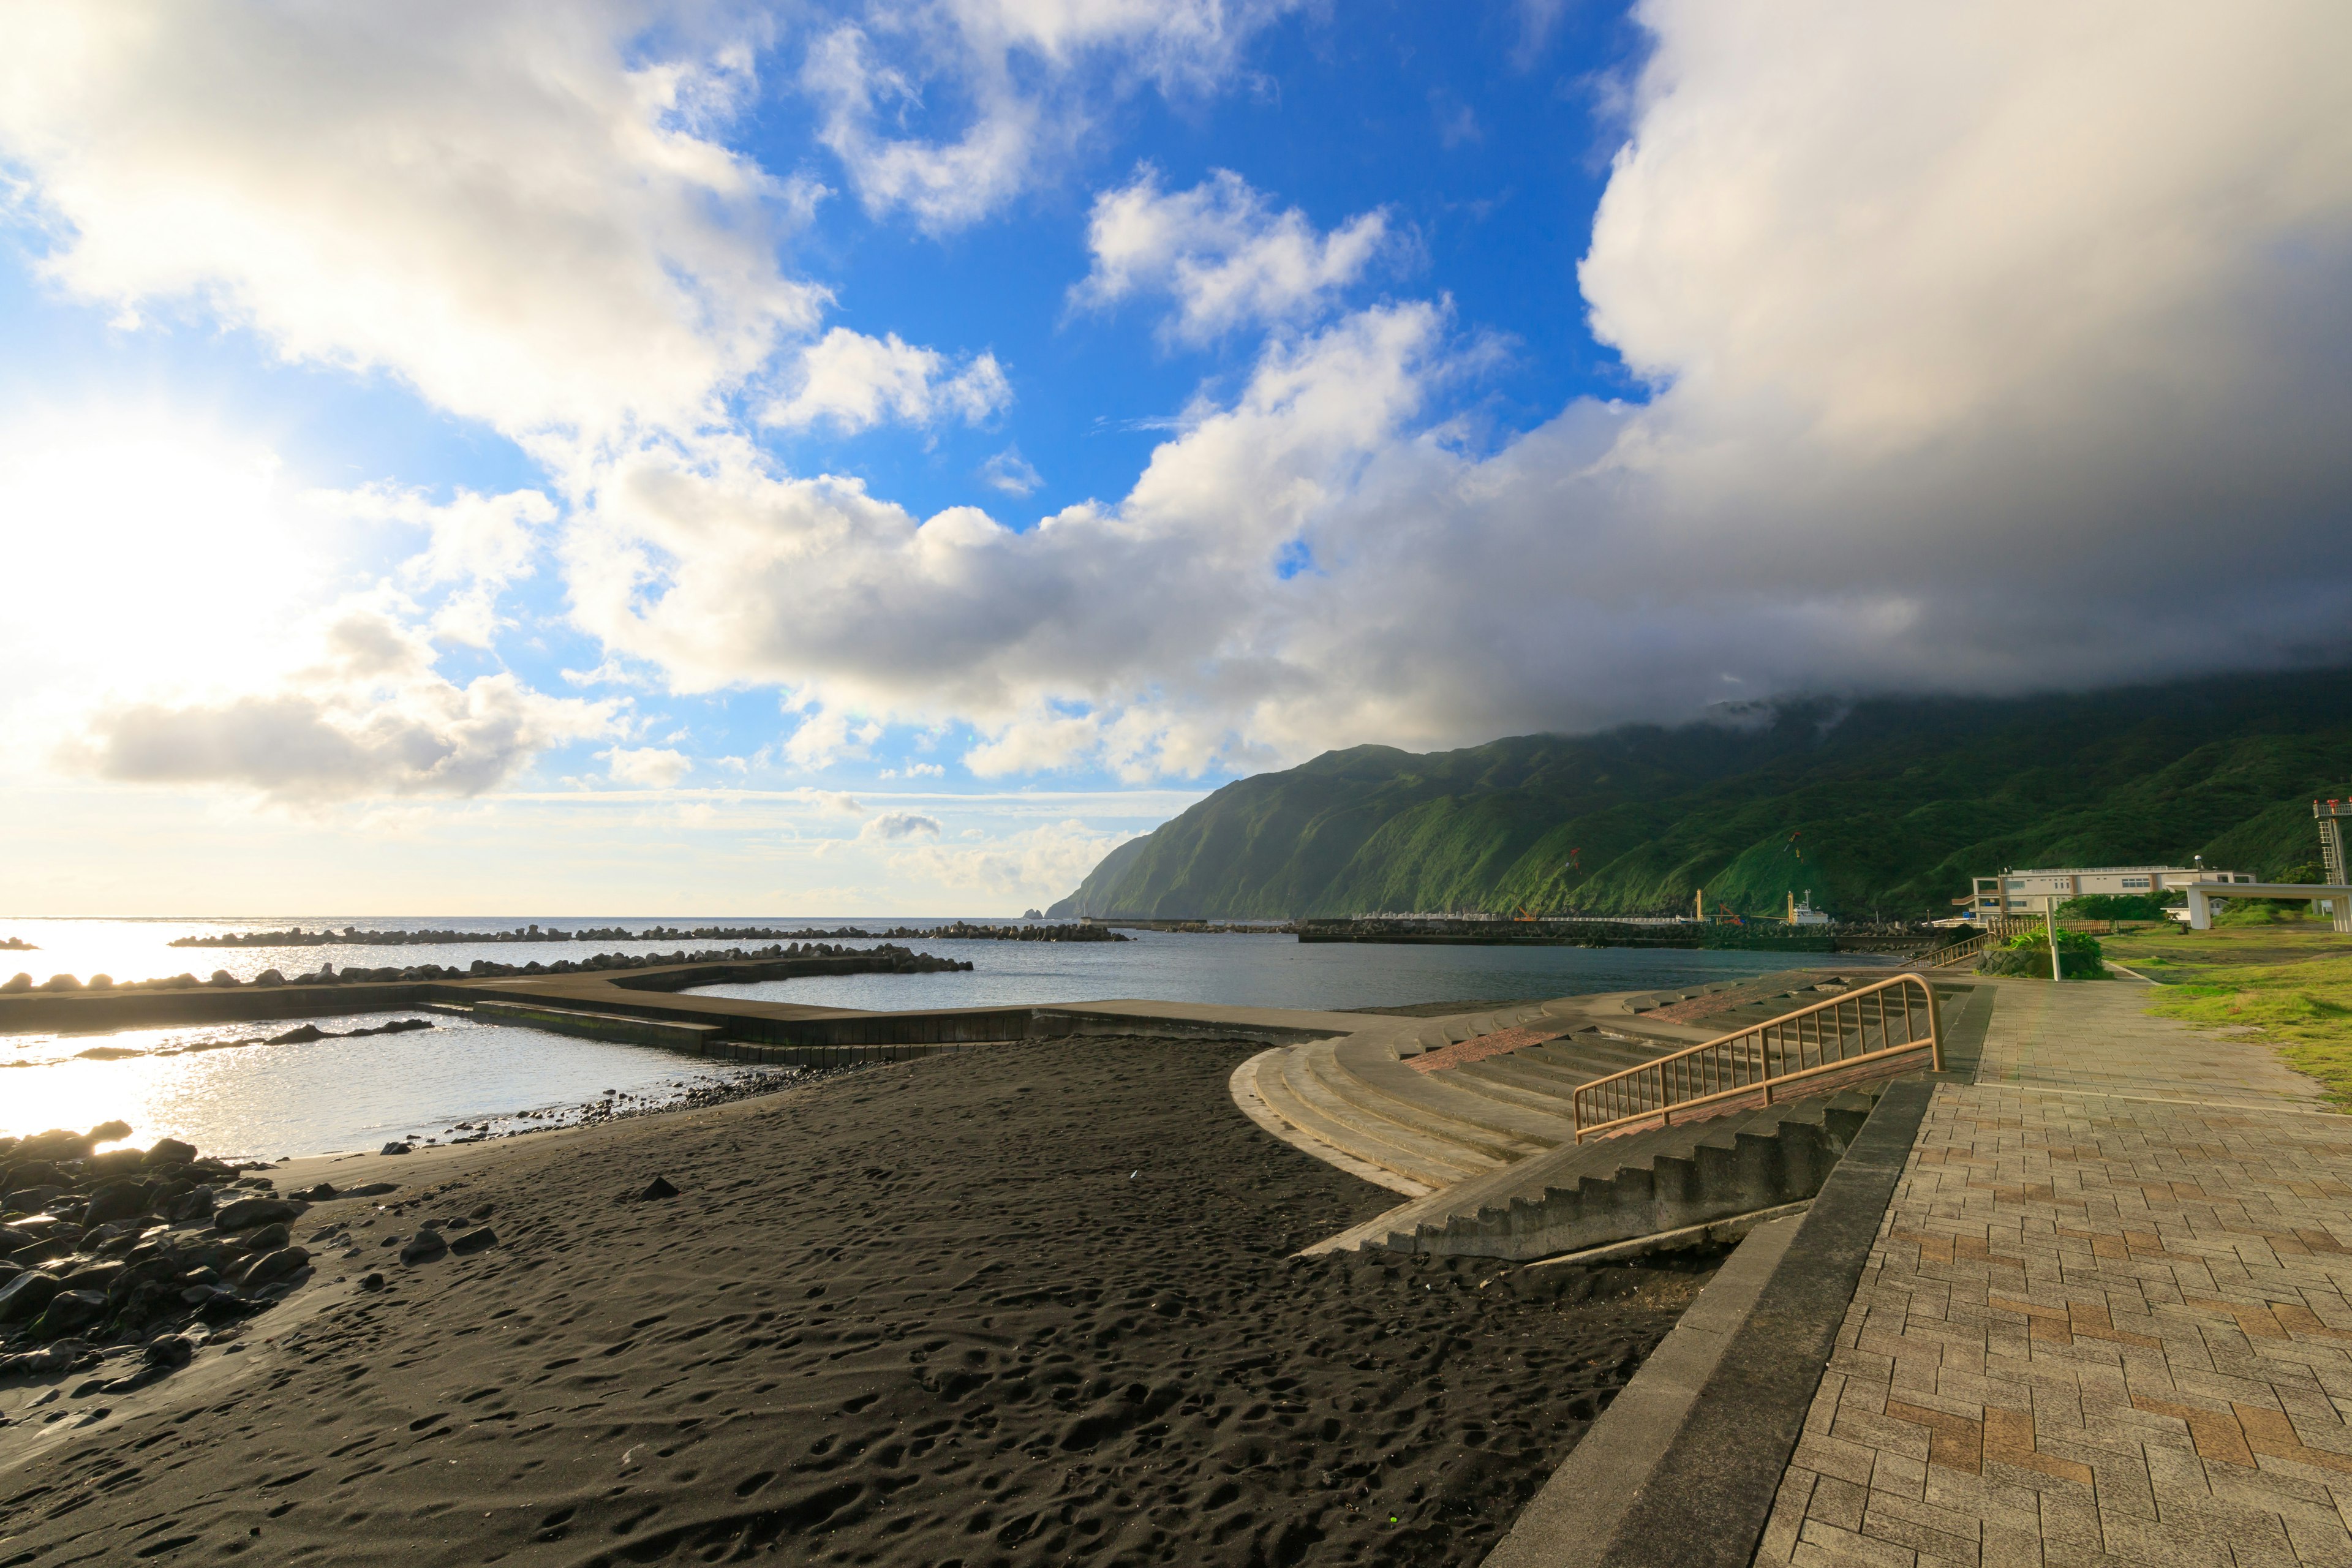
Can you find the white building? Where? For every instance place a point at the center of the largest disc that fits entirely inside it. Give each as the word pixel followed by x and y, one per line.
pixel 2028 892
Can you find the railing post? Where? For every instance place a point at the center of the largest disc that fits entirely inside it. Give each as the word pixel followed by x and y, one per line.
pixel 1935 1029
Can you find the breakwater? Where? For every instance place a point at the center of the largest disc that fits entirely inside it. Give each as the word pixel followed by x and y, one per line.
pixel 356 936
pixel 1895 941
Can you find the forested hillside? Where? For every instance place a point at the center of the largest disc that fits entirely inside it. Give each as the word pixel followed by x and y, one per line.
pixel 1890 805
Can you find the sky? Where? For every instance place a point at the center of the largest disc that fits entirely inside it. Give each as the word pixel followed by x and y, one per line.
pixel 872 458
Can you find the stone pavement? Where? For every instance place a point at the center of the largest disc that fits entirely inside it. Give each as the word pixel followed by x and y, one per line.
pixel 2105 1318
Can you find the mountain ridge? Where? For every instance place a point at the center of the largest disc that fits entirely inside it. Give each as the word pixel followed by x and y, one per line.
pixel 1886 804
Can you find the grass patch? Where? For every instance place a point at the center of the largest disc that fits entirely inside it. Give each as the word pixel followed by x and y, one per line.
pixel 2290 986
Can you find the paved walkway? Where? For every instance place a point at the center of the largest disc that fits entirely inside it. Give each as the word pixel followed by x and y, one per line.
pixel 2105 1320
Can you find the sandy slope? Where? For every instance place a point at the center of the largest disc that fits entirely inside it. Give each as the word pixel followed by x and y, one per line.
pixel 1028 1305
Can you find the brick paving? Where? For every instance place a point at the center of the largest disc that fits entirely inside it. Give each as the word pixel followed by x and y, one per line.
pixel 2105 1320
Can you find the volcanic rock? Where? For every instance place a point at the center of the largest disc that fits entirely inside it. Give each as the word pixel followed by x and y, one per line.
pixel 423 1247
pixel 481 1238
pixel 277 1264
pixel 25 1296
pixel 114 1201
pixel 171 1151
pixel 69 1311
pixel 247 1213
pixel 658 1187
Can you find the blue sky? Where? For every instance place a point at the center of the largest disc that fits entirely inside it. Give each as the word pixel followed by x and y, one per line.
pixel 840 457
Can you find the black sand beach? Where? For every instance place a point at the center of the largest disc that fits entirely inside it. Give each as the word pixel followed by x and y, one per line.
pixel 1032 1304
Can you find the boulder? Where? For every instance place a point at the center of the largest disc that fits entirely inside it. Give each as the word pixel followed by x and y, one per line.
pixel 247 1213
pixel 61 983
pixel 423 1247
pixel 269 977
pixel 269 1237
pixel 481 1238
pixel 26 1295
pixel 394 1149
pixel 300 1034
pixel 114 1201
pixel 223 978
pixel 171 1151
pixel 372 1190
pixel 170 1351
pixel 658 1187
pixel 195 1205
pixel 116 1164
pixel 371 1281
pixel 26 1173
pixel 95 1276
pixel 20 981
pixel 277 1264
pixel 101 982
pixel 69 1312
pixel 110 1133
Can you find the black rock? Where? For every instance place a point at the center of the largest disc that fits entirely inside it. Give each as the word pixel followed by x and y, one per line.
pixel 32 1173
pixel 394 1149
pixel 110 1133
pixel 371 1281
pixel 195 1205
pixel 423 1247
pixel 269 1237
pixel 279 1264
pixel 320 1193
pixel 658 1187
pixel 92 1276
pixel 22 1298
pixel 171 1151
pixel 247 1213
pixel 481 1238
pixel 116 1200
pixel 372 1190
pixel 228 1307
pixel 69 1311
pixel 169 1349
pixel 301 1034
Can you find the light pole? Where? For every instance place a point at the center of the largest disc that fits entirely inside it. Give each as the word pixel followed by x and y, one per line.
pixel 2050 916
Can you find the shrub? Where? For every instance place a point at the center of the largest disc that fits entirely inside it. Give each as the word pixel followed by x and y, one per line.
pixel 2028 955
pixel 2113 907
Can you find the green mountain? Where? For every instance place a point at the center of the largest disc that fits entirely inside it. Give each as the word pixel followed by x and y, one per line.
pixel 1890 804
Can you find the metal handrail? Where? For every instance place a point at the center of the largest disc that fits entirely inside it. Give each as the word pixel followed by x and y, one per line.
pixel 1945 957
pixel 1795 1045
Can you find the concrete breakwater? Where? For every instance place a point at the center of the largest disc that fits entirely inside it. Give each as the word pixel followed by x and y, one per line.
pixel 1567 934
pixel 357 936
pixel 225 1000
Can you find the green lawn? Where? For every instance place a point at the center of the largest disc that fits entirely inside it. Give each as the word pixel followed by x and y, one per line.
pixel 2290 981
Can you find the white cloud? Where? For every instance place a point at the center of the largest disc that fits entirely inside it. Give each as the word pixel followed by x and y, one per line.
pixel 1222 251
pixel 721 570
pixel 1028 75
pixel 1012 473
pixel 646 767
pixel 1029 867
pixel 854 383
pixel 368 717
pixel 480 542
pixel 897 827
pixel 503 205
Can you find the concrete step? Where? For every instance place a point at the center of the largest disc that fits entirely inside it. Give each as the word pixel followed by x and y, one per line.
pixel 1431 1111
pixel 1300 1077
pixel 1391 1147
pixel 1615 1189
pixel 1496 1081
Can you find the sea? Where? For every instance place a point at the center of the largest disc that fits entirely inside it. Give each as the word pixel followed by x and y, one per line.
pixel 222 1088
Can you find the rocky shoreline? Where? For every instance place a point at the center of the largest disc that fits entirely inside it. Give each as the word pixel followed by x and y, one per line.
pixel 354 936
pixel 898 958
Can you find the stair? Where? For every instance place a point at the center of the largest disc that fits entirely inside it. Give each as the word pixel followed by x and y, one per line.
pixel 1613 1189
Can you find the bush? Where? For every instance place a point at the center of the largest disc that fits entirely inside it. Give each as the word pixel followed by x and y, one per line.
pixel 2260 911
pixel 2113 907
pixel 2028 955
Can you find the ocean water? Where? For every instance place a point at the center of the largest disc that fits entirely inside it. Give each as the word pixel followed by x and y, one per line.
pixel 342 1094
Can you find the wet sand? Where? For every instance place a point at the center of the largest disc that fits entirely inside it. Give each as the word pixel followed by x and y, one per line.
pixel 1026 1305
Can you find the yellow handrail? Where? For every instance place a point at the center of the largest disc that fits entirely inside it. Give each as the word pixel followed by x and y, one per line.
pixel 1778 1051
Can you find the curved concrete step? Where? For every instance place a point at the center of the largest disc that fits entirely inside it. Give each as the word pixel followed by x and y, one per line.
pixel 1299 1078
pixel 1392 1147
pixel 1432 1111
pixel 1244 1088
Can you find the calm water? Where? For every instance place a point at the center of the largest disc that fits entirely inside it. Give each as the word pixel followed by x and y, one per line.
pixel 332 1095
